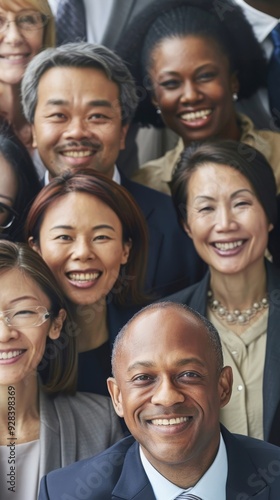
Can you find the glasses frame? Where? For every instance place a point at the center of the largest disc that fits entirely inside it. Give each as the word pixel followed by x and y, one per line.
pixel 4 316
pixel 45 19
pixel 15 215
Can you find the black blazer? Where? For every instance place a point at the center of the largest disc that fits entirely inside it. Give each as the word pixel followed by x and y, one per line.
pixel 173 262
pixel 94 366
pixel 196 297
pixel 118 474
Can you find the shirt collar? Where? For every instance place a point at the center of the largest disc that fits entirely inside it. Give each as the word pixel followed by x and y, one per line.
pixel 116 176
pixel 262 23
pixel 211 486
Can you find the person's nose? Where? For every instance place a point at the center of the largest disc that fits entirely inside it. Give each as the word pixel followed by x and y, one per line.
pixel 12 34
pixel 167 394
pixel 7 333
pixel 225 220
pixel 190 93
pixel 83 250
pixel 77 129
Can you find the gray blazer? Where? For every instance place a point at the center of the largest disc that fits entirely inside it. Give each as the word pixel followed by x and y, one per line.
pixel 122 13
pixel 75 427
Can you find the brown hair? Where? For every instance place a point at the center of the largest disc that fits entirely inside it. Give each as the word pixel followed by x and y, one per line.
pixel 129 287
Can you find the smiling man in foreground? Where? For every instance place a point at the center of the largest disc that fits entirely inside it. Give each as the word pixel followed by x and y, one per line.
pixel 169 384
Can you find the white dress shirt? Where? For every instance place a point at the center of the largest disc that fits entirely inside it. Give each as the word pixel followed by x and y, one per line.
pixel 116 176
pixel 97 16
pixel 211 486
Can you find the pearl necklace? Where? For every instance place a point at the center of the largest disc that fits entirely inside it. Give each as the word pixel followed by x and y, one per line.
pixel 236 316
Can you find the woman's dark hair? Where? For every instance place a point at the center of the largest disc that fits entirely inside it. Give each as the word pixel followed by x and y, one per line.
pixel 130 283
pixel 60 358
pixel 239 156
pixel 223 22
pixel 17 156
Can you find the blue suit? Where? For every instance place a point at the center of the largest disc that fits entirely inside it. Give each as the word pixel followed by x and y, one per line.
pixel 118 474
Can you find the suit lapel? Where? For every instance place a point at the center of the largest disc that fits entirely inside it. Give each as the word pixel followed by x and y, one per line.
pixel 49 436
pixel 271 382
pixel 118 19
pixel 243 481
pixel 133 482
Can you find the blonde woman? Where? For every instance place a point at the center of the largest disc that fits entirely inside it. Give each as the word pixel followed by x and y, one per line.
pixel 26 28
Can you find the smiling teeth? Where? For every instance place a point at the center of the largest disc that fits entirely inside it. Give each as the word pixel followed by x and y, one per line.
pixel 15 57
pixel 77 154
pixel 196 115
pixel 83 276
pixel 229 246
pixel 170 421
pixel 10 354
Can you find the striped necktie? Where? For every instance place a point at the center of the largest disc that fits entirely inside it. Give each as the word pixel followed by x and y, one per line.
pixel 187 496
pixel 70 21
pixel 273 78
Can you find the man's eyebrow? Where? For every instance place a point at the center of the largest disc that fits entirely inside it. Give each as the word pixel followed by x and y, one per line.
pixel 94 102
pixel 180 363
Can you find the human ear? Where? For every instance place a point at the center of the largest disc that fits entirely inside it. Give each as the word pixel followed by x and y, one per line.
pixel 270 227
pixel 187 229
pixel 225 385
pixel 123 136
pixel 34 245
pixel 34 140
pixel 57 324
pixel 234 83
pixel 126 251
pixel 115 394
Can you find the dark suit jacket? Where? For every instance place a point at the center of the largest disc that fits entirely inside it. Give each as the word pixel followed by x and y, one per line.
pixel 94 366
pixel 117 473
pixel 196 297
pixel 173 262
pixel 122 13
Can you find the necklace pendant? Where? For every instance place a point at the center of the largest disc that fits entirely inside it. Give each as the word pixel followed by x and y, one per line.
pixel 242 319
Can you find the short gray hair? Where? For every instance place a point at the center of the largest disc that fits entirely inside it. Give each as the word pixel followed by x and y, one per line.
pixel 213 334
pixel 79 55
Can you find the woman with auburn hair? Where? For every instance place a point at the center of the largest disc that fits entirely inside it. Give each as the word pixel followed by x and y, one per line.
pixel 92 235
pixel 26 28
pixel 43 424
pixel 225 196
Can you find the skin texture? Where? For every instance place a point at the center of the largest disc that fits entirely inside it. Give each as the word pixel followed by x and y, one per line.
pixel 80 234
pixel 190 75
pixel 8 188
pixel 223 208
pixel 22 45
pixel 78 112
pixel 20 290
pixel 162 376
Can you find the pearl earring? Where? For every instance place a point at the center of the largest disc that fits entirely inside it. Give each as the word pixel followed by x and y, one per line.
pixel 158 111
pixel 234 96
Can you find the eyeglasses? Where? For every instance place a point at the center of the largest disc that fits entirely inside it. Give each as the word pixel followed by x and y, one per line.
pixel 21 317
pixel 7 216
pixel 29 21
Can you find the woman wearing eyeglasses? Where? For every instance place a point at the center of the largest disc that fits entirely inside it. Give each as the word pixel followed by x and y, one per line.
pixel 42 426
pixel 26 28
pixel 19 184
